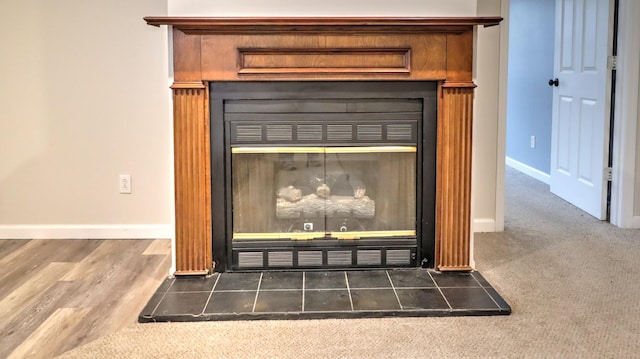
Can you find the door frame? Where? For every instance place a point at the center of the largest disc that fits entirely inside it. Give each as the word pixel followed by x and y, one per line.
pixel 626 117
pixel 626 108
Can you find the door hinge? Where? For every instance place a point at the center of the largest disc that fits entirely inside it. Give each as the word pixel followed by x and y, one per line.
pixel 612 62
pixel 608 174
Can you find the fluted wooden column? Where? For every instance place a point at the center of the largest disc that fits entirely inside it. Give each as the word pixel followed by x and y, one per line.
pixel 453 189
pixel 192 178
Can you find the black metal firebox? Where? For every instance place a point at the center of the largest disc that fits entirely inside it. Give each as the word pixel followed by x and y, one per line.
pixel 318 175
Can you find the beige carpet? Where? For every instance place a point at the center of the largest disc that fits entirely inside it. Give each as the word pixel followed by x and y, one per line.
pixel 572 281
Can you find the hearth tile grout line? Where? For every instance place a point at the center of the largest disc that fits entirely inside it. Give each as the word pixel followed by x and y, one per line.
pixel 346 279
pixel 210 295
pixel 394 290
pixel 478 309
pixel 355 311
pixel 322 289
pixel 163 296
pixel 303 279
pixel 486 292
pixel 255 300
pixel 440 290
pixel 326 289
pixel 350 288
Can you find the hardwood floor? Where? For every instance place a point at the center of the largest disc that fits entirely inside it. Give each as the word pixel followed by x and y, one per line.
pixel 56 295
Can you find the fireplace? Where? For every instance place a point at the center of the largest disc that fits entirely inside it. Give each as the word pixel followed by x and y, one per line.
pixel 324 174
pixel 258 188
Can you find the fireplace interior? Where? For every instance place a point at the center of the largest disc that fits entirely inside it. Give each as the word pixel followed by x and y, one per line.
pixel 317 175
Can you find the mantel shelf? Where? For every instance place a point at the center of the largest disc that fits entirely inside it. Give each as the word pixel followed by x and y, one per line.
pixel 221 25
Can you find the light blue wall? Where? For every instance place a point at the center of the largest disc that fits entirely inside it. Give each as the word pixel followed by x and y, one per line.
pixel 529 98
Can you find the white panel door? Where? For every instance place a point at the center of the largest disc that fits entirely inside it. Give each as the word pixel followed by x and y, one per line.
pixel 581 96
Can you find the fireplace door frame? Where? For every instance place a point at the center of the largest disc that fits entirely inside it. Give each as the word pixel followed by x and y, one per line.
pixel 424 138
pixel 335 49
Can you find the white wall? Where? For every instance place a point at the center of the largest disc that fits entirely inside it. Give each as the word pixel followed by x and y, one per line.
pixel 530 98
pixel 323 8
pixel 489 127
pixel 72 119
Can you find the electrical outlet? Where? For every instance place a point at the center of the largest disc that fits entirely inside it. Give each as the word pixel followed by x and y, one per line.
pixel 533 141
pixel 125 184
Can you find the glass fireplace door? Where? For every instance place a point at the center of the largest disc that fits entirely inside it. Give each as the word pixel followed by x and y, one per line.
pixel 323 193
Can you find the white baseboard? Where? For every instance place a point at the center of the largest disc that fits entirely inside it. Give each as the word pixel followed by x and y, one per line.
pixel 528 170
pixel 108 231
pixel 481 225
pixel 635 222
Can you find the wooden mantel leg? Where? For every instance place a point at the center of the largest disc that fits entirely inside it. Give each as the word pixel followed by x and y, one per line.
pixel 453 192
pixel 192 178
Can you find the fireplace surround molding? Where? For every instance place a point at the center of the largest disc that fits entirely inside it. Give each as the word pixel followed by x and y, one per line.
pixel 321 49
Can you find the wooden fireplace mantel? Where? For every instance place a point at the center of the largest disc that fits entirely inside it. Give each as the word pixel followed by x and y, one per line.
pixel 278 49
pixel 340 25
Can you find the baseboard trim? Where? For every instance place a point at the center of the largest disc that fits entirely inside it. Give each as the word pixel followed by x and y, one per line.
pixel 635 222
pixel 528 170
pixel 124 231
pixel 481 225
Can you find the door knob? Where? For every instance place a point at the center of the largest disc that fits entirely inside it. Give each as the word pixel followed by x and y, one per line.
pixel 554 82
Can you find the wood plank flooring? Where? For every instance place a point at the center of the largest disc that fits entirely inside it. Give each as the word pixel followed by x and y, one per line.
pixel 56 295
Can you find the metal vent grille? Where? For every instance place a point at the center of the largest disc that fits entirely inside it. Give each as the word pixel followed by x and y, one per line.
pixel 310 258
pixel 400 132
pixel 398 256
pixel 280 259
pixel 309 132
pixel 339 132
pixel 279 132
pixel 250 259
pixel 369 257
pixel 248 133
pixel 339 258
pixel 369 132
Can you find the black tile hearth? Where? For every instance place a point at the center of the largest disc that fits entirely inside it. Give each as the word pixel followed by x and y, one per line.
pixel 368 279
pixel 231 302
pixel 191 303
pixel 464 298
pixel 374 300
pixel 502 304
pixel 411 279
pixel 197 284
pixel 455 280
pixel 325 280
pixel 483 282
pixel 237 281
pixel 327 300
pixel 326 294
pixel 279 301
pixel 422 298
pixel 281 280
